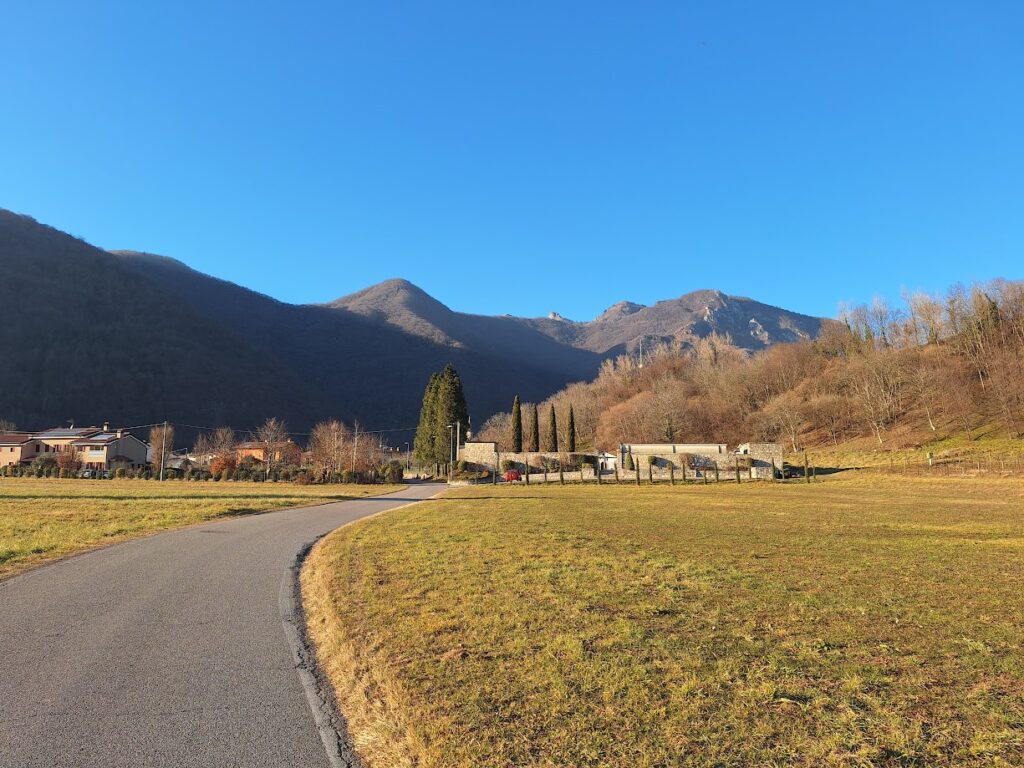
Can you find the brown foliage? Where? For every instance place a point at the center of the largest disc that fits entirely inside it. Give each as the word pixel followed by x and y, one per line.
pixel 940 365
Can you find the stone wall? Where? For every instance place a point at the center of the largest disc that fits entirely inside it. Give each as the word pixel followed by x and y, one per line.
pixel 483 455
pixel 685 459
pixel 762 457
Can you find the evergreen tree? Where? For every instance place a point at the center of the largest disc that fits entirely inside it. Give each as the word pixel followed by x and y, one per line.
pixel 571 434
pixel 517 426
pixel 444 403
pixel 534 430
pixel 426 431
pixel 451 405
pixel 552 431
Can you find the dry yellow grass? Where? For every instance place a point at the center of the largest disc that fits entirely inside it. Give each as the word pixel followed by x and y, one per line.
pixel 866 620
pixel 44 519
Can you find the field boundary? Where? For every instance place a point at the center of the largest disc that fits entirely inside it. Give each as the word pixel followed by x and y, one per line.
pixel 33 567
pixel 330 721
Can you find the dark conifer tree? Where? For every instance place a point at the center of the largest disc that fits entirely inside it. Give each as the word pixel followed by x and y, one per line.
pixel 534 430
pixel 571 432
pixel 552 431
pixel 450 409
pixel 517 426
pixel 424 444
pixel 444 403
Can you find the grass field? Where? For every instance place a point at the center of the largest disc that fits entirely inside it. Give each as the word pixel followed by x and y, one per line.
pixel 867 620
pixel 43 519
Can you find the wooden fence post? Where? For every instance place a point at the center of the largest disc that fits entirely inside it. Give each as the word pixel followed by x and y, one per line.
pixel 716 471
pixel 636 469
pixel 561 474
pixel 671 473
pixel 773 470
pixel 807 471
pixel 616 473
pixel 526 470
pixel 650 473
pixel 737 473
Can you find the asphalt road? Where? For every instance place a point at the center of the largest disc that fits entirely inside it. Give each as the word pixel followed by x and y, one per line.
pixel 165 651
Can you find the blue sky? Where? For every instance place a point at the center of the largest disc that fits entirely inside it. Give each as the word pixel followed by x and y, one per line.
pixel 528 157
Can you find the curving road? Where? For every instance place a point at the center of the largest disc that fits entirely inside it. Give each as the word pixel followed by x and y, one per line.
pixel 166 651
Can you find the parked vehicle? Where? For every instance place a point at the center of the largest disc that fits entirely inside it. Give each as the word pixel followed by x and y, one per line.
pixel 512 475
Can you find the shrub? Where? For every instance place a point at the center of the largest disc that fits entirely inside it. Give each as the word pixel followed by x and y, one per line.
pixel 349 476
pixel 508 464
pixel 394 472
pixel 652 460
pixel 222 463
pixel 119 473
pixel 628 463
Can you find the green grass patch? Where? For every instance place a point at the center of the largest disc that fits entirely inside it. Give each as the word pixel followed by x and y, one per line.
pixel 42 519
pixel 862 621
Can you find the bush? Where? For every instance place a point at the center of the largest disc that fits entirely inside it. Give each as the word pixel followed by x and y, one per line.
pixel 349 476
pixel 628 463
pixel 394 472
pixel 652 460
pixel 119 473
pixel 508 464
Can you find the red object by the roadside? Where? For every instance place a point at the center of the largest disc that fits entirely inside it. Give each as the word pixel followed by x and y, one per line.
pixel 511 476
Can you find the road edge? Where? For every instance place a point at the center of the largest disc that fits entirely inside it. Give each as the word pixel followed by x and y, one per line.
pixel 327 716
pixel 330 723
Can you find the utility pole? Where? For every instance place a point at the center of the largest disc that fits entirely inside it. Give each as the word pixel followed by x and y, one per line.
pixel 163 451
pixel 355 445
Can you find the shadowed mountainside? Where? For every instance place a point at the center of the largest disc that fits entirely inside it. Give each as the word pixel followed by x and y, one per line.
pixel 132 337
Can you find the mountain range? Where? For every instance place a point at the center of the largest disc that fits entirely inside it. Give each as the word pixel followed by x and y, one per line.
pixel 130 337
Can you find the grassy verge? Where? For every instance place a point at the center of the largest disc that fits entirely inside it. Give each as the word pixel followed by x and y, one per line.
pixel 43 519
pixel 865 620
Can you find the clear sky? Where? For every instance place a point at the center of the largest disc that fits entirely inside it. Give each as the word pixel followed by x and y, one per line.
pixel 530 156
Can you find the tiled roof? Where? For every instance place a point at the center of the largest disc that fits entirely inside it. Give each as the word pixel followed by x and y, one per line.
pixel 14 439
pixel 64 432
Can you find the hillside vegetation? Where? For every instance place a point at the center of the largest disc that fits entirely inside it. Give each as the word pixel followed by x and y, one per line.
pixel 863 621
pixel 942 370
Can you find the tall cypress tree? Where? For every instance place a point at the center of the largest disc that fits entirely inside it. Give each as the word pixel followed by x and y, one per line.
pixel 450 408
pixel 552 431
pixel 571 434
pixel 534 430
pixel 426 431
pixel 444 403
pixel 517 426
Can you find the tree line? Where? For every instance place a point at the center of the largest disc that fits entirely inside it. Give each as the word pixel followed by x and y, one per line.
pixel 507 430
pixel 934 367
